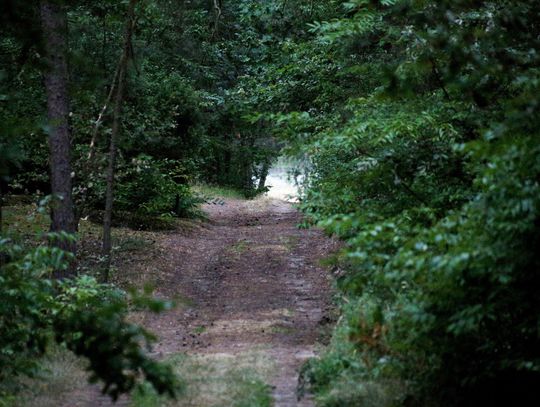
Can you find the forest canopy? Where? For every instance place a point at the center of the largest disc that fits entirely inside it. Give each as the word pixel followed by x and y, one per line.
pixel 414 124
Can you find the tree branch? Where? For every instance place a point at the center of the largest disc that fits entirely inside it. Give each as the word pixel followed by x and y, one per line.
pixel 217 8
pixel 99 120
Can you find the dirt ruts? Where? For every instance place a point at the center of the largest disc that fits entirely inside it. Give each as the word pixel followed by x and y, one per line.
pixel 249 280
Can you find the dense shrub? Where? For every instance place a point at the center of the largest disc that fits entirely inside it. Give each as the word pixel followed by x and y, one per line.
pixel 417 123
pixel 428 169
pixel 154 187
pixel 87 318
pixel 180 101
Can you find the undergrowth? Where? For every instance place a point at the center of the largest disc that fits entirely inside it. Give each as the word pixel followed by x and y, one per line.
pixel 215 381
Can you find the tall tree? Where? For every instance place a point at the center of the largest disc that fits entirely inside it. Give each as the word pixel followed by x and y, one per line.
pixel 54 26
pixel 117 118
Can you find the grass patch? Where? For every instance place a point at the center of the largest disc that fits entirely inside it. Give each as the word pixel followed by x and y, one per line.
pixel 281 329
pixel 290 242
pixel 210 192
pixel 59 374
pixel 216 380
pixel 239 247
pixel 136 253
pixel 354 391
pixel 136 221
pixel 24 221
pixel 132 244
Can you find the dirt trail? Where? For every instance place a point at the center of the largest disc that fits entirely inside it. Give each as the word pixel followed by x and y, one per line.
pixel 251 281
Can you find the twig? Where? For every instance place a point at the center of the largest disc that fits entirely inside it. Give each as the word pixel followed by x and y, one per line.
pixel 409 189
pixel 115 131
pixel 438 77
pixel 217 8
pixel 99 120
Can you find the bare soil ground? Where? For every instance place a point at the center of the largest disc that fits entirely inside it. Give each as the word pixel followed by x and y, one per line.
pixel 254 281
pixel 253 295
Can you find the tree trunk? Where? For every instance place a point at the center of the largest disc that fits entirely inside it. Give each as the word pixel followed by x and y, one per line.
pixel 1 209
pixel 2 255
pixel 54 25
pixel 117 118
pixel 264 173
pixel 89 166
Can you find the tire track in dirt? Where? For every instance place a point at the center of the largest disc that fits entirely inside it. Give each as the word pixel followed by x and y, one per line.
pixel 255 280
pixel 250 280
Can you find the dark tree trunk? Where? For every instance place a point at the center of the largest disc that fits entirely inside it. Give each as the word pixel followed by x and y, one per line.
pixel 117 118
pixel 218 9
pixel 2 255
pixel 54 25
pixel 264 174
pixel 1 209
pixel 225 171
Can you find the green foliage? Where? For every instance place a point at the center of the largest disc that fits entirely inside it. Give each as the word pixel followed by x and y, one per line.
pixel 420 142
pixel 417 126
pixel 214 380
pixel 153 187
pixel 178 104
pixel 86 317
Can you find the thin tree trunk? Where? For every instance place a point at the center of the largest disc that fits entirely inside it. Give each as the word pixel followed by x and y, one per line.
pixel 99 120
pixel 89 166
pixel 1 209
pixel 2 255
pixel 117 118
pixel 54 25
pixel 217 7
pixel 264 175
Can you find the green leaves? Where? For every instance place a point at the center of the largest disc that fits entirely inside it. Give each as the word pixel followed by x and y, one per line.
pixel 156 188
pixel 86 317
pixel 91 322
pixel 428 170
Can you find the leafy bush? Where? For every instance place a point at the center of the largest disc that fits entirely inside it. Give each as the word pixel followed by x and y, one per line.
pixel 86 317
pixel 155 188
pixel 429 172
pixel 148 193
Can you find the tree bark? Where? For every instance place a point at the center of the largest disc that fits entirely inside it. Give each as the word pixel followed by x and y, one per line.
pixel 54 26
pixel 1 209
pixel 264 174
pixel 217 7
pixel 117 121
pixel 2 255
pixel 89 166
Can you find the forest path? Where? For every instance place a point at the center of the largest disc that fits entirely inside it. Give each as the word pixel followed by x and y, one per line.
pixel 254 298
